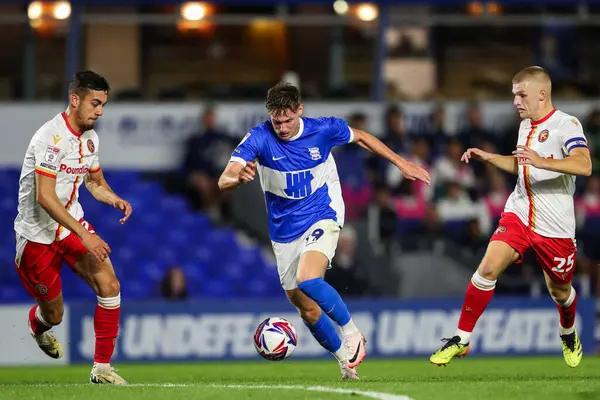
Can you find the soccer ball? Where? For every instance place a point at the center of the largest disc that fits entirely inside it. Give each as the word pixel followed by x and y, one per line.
pixel 275 339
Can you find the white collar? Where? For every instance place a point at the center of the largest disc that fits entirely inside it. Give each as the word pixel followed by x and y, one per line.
pixel 300 131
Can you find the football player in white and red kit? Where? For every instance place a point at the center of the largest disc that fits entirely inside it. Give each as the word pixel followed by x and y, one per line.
pixel 50 226
pixel 539 214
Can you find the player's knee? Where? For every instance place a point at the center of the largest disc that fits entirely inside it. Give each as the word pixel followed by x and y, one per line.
pixel 110 288
pixel 306 274
pixel 559 294
pixel 489 269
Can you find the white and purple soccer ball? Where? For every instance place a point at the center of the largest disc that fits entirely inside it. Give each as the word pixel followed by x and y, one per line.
pixel 275 339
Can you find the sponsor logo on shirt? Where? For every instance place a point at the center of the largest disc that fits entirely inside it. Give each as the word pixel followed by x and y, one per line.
pixel 51 155
pixel 82 170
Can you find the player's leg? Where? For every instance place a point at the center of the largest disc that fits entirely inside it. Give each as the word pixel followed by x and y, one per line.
pixel 38 266
pixel 320 326
pixel 505 248
pixel 311 282
pixel 557 258
pixel 102 279
pixel 319 248
pixel 322 329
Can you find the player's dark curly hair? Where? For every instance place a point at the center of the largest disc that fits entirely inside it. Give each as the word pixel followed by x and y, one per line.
pixel 282 97
pixel 84 81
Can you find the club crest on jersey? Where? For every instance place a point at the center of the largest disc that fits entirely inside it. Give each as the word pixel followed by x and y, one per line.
pixel 543 136
pixel 315 153
pixel 91 146
pixel 41 289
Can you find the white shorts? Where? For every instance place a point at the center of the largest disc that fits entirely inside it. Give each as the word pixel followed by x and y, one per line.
pixel 322 237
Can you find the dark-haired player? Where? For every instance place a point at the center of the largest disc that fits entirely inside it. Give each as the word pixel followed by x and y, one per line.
pixel 50 226
pixel 306 211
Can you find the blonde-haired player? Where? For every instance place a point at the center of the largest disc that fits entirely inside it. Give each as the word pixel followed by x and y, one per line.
pixel 539 214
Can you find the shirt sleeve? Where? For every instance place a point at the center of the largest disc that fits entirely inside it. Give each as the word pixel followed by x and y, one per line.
pixel 48 154
pixel 247 149
pixel 95 167
pixel 339 131
pixel 572 135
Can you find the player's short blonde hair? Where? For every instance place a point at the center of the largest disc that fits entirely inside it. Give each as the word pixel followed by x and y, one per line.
pixel 535 72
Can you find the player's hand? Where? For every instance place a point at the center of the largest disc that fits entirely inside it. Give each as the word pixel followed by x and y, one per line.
pixel 248 172
pixel 413 172
pixel 125 208
pixel 96 246
pixel 475 153
pixel 526 156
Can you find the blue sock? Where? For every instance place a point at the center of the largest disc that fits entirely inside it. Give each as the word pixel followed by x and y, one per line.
pixel 325 333
pixel 327 298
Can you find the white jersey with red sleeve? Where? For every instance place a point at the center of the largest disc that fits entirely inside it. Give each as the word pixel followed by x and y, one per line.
pixel 57 151
pixel 543 200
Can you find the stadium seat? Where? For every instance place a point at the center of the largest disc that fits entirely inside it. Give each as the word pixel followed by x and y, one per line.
pixel 162 232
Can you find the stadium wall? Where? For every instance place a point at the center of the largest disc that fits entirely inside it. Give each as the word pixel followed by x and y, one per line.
pixel 149 135
pixel 218 330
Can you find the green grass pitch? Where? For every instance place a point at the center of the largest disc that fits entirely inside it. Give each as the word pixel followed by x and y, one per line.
pixel 473 378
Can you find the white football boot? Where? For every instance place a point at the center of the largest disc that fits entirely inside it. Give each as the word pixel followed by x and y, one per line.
pixel 47 343
pixel 105 375
pixel 355 346
pixel 347 372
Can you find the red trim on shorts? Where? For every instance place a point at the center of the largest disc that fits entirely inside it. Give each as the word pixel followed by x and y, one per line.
pixel 48 174
pixel 551 113
pixel 526 180
pixel 73 131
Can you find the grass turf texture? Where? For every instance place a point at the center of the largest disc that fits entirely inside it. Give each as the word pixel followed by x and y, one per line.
pixel 470 378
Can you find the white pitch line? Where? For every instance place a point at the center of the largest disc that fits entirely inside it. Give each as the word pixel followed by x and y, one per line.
pixel 370 394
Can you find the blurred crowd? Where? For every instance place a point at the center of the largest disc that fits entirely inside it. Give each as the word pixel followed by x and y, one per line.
pixel 457 212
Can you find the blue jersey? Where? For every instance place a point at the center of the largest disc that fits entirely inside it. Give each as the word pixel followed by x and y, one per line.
pixel 299 177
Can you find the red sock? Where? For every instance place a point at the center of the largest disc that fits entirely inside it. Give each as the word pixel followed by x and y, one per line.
pixel 479 294
pixel 38 327
pixel 106 327
pixel 568 310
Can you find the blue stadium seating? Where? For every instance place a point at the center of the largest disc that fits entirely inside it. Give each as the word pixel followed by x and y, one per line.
pixel 163 232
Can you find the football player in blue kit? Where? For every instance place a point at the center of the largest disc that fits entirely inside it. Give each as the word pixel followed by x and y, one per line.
pixel 299 178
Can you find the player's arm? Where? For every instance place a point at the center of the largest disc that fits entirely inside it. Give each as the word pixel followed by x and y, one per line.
pixel 236 174
pixel 242 166
pixel 371 143
pixel 45 196
pixel 573 143
pixel 97 185
pixel 48 155
pixel 578 162
pixel 505 163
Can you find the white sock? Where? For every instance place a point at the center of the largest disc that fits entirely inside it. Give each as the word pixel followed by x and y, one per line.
pixel 570 300
pixel 38 316
pixel 341 354
pixel 349 328
pixel 481 283
pixel 464 336
pixel 101 366
pixel 566 331
pixel 109 302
